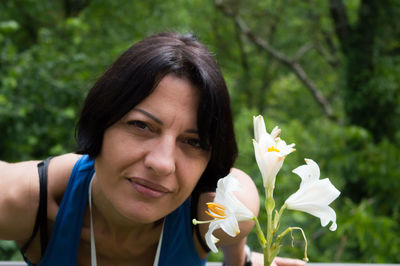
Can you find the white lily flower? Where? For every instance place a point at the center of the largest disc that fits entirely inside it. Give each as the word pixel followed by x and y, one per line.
pixel 314 195
pixel 226 210
pixel 270 151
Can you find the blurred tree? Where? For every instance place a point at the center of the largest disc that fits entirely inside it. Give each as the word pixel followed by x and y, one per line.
pixel 322 46
pixel 371 94
pixel 72 8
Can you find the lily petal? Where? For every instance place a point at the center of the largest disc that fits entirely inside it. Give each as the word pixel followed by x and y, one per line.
pixel 227 210
pixel 309 172
pixel 270 151
pixel 210 238
pixel 314 195
pixel 259 127
pixel 230 226
pixel 242 213
pixel 276 132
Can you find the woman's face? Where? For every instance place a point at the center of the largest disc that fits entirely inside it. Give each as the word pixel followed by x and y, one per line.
pixel 151 158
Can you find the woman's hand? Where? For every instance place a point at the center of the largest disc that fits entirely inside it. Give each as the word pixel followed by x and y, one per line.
pixel 258 260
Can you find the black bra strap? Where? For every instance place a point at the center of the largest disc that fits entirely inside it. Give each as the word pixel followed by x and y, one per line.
pixel 41 217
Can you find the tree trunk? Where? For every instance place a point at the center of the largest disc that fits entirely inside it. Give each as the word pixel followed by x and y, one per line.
pixel 365 105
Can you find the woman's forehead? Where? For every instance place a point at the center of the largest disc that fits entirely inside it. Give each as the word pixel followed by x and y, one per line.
pixel 172 98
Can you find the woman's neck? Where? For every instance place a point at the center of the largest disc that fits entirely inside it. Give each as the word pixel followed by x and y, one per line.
pixel 117 239
pixel 107 221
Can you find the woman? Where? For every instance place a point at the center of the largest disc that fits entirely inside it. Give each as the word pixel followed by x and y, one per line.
pixel 154 136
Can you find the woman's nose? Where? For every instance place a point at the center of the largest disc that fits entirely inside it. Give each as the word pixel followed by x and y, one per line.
pixel 161 157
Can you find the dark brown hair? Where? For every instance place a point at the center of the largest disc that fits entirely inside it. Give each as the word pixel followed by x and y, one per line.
pixel 133 77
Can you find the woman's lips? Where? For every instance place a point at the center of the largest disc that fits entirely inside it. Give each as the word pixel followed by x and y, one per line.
pixel 147 188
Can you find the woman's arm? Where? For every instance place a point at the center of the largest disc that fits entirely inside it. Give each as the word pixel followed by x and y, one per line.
pixel 19 196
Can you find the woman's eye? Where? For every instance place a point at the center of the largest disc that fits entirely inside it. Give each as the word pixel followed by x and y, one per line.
pixel 193 142
pixel 138 124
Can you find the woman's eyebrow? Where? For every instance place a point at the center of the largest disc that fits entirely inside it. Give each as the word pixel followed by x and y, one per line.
pixel 158 121
pixel 151 116
pixel 192 131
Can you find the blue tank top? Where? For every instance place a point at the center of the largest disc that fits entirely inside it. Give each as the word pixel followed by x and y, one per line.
pixel 177 247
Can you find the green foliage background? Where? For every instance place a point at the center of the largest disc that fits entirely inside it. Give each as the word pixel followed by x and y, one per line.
pixel 52 51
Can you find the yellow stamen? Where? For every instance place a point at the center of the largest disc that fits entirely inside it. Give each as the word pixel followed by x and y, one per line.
pixel 216 210
pixel 273 149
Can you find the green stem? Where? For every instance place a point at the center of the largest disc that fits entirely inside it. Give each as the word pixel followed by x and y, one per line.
pixel 284 206
pixel 270 205
pixel 290 229
pixel 277 218
pixel 260 233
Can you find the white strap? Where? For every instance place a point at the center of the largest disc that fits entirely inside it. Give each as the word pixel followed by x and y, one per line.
pixel 157 258
pixel 92 243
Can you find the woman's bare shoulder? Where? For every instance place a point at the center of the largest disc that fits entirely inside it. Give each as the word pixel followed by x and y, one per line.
pixel 18 198
pixel 19 193
pixel 59 171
